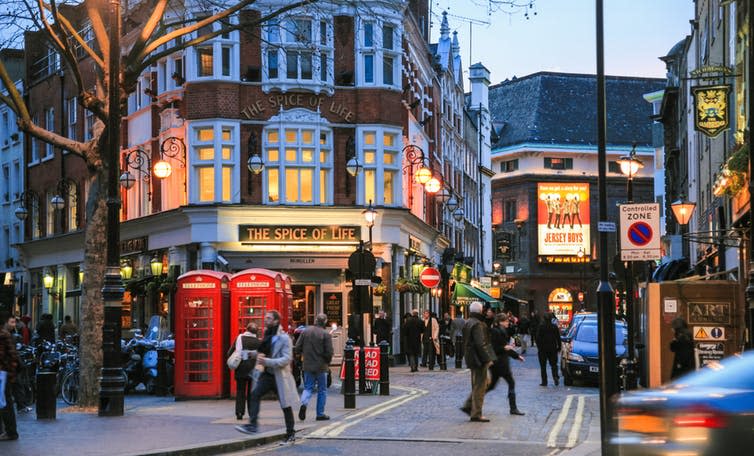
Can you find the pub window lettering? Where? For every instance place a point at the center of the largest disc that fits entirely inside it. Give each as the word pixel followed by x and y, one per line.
pixel 558 163
pixel 509 166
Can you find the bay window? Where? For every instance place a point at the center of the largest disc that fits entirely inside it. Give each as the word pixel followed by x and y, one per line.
pixel 380 154
pixel 214 154
pixel 298 51
pixel 298 164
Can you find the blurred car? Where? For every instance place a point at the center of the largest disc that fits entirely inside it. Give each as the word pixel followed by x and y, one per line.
pixel 707 412
pixel 579 356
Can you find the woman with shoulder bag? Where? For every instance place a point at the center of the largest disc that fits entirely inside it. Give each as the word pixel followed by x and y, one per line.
pixel 246 344
pixel 500 338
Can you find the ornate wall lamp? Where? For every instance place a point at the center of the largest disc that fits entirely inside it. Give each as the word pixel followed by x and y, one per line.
pixel 173 148
pixel 423 175
pixel 156 266
pixel 26 200
pixel 136 159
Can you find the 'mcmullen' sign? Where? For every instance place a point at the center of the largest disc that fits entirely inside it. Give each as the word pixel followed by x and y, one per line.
pixel 298 234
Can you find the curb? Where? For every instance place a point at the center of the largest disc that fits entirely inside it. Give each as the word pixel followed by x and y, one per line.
pixel 226 446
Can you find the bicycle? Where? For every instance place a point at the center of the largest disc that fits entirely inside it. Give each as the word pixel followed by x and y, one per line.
pixel 69 388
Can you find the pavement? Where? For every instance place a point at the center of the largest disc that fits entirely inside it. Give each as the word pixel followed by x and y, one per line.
pixel 153 425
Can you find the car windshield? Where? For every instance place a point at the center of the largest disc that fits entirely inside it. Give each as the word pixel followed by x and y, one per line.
pixel 587 332
pixel 736 372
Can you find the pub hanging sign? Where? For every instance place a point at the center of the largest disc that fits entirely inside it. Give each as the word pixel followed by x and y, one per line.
pixel 711 109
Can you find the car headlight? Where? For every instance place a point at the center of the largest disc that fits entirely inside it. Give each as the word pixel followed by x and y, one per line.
pixel 575 357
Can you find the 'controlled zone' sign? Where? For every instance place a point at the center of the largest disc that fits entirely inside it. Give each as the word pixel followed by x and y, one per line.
pixel 639 232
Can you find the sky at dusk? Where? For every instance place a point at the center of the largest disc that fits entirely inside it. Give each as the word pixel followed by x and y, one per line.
pixel 561 35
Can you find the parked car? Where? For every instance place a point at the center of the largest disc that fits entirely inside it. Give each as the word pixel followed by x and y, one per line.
pixel 707 412
pixel 579 356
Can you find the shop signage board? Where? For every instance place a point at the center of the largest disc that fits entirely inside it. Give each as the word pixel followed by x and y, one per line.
pixel 299 234
pixel 708 352
pixel 372 365
pixel 711 115
pixel 640 232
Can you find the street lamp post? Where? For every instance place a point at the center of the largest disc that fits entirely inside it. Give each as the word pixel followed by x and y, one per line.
pixel 580 254
pixel 111 383
pixel 630 166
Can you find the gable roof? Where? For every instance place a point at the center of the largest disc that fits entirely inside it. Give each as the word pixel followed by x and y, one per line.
pixel 560 108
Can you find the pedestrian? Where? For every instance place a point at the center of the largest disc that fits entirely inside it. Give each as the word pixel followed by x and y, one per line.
pixel 534 323
pixel 45 328
pixel 456 331
pixel 430 337
pixel 682 347
pixel 489 317
pixel 26 330
pixel 247 344
pixel 479 357
pixel 445 324
pixel 500 339
pixel 523 330
pixel 274 355
pixel 68 328
pixel 314 345
pixel 382 328
pixel 9 363
pixel 413 330
pixel 548 343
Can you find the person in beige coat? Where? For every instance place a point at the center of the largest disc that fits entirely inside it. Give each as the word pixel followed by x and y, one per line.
pixel 430 340
pixel 274 355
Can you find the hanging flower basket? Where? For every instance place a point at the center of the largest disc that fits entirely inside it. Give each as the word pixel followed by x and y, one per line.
pixel 409 286
pixel 379 290
pixel 732 177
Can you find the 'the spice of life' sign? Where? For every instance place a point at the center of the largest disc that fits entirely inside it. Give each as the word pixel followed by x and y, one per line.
pixel 299 234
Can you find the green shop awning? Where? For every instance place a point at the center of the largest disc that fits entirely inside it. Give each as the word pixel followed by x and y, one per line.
pixel 465 294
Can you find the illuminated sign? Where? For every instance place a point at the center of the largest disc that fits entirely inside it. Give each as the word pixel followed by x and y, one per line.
pixel 711 109
pixel 563 220
pixel 295 234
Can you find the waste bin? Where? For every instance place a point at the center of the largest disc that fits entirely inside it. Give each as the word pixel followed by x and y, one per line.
pixel 46 397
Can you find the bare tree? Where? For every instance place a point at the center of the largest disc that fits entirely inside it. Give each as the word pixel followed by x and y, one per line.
pixel 161 26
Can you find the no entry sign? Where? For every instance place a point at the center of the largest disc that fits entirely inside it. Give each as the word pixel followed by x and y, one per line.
pixel 430 277
pixel 639 232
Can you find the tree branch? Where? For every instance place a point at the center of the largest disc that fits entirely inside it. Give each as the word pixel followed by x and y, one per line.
pixel 149 28
pixel 89 51
pixel 15 98
pixel 51 137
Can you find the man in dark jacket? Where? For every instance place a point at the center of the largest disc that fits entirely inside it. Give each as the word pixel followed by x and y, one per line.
pixel 479 357
pixel 9 363
pixel 500 338
pixel 315 347
pixel 548 343
pixel 46 329
pixel 413 330
pixel 382 328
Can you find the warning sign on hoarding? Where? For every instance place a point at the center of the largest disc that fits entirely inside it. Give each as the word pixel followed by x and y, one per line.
pixel 372 365
pixel 640 232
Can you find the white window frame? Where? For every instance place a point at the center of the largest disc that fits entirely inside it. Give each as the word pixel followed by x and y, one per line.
pixel 72 111
pixel 34 157
pixel 50 126
pixel 277 42
pixel 230 40
pixel 319 127
pixel 378 52
pixel 218 163
pixel 379 166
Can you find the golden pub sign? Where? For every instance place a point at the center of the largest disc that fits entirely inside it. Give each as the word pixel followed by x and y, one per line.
pixel 711 109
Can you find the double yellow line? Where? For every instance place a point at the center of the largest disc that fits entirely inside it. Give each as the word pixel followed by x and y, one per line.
pixel 578 420
pixel 337 428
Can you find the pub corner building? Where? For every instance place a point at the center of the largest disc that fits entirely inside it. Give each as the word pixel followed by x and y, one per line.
pixel 257 138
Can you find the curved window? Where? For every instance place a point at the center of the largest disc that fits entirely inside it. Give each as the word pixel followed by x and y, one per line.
pixel 298 163
pixel 379 151
pixel 216 58
pixel 298 52
pixel 214 154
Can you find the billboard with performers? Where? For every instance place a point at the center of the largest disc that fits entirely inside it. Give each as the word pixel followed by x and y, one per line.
pixel 563 218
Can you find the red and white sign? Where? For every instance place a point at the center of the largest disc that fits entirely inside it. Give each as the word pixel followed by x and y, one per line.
pixel 640 232
pixel 430 277
pixel 372 366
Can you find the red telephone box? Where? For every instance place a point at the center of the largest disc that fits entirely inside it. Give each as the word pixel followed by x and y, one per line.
pixel 252 293
pixel 201 331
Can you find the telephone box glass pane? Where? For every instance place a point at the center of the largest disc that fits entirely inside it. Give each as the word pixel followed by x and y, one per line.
pixel 252 309
pixel 198 334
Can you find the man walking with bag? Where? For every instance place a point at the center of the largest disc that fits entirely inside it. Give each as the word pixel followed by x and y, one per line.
pixel 479 357
pixel 274 354
pixel 315 346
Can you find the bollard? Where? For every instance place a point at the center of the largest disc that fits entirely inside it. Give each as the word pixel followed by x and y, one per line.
pixel 162 388
pixel 362 372
pixel 349 386
pixel 443 361
pixel 384 369
pixel 459 351
pixel 46 395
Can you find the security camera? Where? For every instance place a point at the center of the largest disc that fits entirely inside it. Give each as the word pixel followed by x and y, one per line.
pixel 221 259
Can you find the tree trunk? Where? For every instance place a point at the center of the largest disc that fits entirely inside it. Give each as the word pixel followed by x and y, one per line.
pixel 92 308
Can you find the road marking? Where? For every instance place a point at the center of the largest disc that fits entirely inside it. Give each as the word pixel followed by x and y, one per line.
pixel 553 437
pixel 335 429
pixel 573 436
